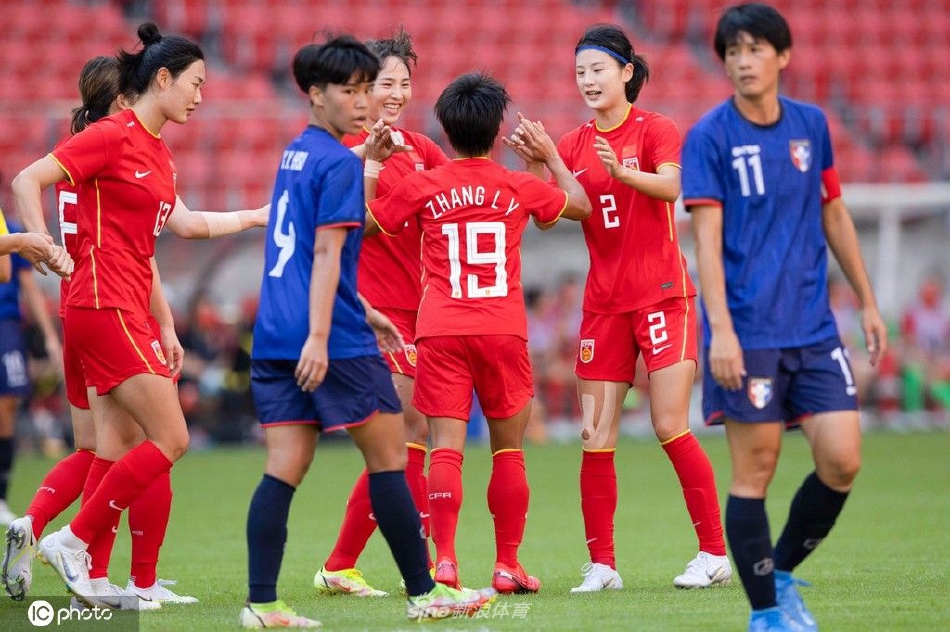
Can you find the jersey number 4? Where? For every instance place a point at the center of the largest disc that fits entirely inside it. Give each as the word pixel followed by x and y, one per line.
pixel 286 242
pixel 496 257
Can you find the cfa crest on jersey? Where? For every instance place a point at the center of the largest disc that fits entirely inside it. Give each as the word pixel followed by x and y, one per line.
pixel 411 354
pixel 760 391
pixel 157 348
pixel 632 163
pixel 800 151
pixel 587 350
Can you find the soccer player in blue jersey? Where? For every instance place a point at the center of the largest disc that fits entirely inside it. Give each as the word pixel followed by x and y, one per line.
pixel 315 363
pixel 760 181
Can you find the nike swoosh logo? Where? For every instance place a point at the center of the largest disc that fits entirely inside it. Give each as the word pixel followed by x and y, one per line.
pixel 423 515
pixel 657 350
pixel 141 174
pixel 115 506
pixel 66 570
pixel 577 173
pixel 591 540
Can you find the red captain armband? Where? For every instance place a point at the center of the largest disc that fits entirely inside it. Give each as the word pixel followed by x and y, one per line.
pixel 830 185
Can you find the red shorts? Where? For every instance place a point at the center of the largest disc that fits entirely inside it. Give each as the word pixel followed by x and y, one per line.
pixel 496 367
pixel 113 345
pixel 73 374
pixel 405 321
pixel 665 333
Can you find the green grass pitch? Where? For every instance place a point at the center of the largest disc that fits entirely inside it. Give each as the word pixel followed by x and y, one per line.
pixel 883 568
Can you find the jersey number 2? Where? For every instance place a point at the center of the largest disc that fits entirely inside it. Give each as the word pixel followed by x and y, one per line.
pixel 494 257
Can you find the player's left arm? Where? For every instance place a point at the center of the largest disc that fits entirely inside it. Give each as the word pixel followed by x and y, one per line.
pixel 662 185
pixel 162 311
pixel 189 224
pixel 843 241
pixel 324 279
pixel 36 302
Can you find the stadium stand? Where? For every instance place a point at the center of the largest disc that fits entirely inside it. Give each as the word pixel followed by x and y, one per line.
pixel 877 67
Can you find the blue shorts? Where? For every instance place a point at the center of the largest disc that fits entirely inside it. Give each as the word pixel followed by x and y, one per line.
pixel 784 385
pixel 351 392
pixel 14 377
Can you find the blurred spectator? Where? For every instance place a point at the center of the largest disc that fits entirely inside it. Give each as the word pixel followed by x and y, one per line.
pixel 925 335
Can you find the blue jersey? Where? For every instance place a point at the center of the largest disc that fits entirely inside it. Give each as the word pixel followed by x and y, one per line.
pixel 10 291
pixel 319 185
pixel 768 181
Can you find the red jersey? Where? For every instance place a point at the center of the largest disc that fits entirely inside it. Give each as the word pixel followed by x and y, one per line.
pixel 390 268
pixel 635 257
pixel 127 176
pixel 472 213
pixel 67 201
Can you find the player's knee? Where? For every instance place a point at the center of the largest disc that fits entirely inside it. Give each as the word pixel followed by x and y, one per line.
pixel 840 472
pixel 417 431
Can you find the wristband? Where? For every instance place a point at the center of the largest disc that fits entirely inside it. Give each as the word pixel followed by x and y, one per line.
pixel 372 168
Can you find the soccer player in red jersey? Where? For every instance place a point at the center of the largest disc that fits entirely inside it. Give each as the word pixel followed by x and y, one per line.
pixel 639 300
pixel 471 330
pixel 125 161
pixel 389 277
pixel 99 444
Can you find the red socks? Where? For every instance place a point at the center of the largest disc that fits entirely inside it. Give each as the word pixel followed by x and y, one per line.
pixel 445 499
pixel 598 504
pixel 508 497
pixel 358 525
pixel 416 480
pixel 148 522
pixel 100 548
pixel 61 486
pixel 699 489
pixel 124 482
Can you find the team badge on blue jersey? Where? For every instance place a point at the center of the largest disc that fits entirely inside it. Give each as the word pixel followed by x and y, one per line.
pixel 760 391
pixel 801 154
pixel 587 350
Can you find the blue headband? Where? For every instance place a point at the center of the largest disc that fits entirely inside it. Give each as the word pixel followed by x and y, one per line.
pixel 616 56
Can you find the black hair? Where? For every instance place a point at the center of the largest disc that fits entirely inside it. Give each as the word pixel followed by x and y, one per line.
pixel 399 46
pixel 98 89
pixel 337 60
pixel 612 37
pixel 471 110
pixel 174 52
pixel 760 21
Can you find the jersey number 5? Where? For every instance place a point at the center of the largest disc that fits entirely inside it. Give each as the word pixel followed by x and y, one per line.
pixel 474 257
pixel 66 228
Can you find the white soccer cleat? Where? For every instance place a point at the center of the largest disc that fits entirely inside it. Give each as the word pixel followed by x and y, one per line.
pixel 275 615
pixel 6 516
pixel 598 577
pixel 705 570
pixel 112 596
pixel 160 593
pixel 17 569
pixel 71 563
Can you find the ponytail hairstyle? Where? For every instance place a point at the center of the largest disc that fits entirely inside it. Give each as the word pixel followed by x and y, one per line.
pixel 610 39
pixel 398 46
pixel 98 89
pixel 137 70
